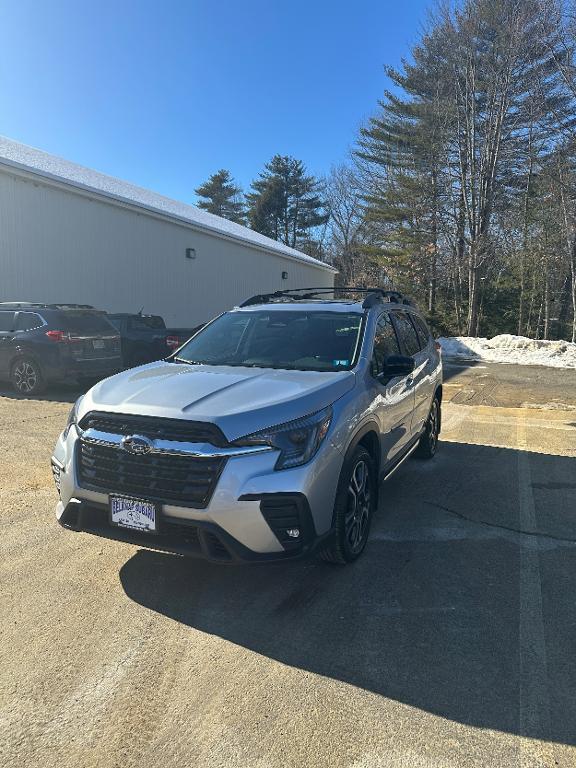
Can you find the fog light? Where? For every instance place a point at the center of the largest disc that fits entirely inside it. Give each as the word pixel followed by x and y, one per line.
pixel 294 533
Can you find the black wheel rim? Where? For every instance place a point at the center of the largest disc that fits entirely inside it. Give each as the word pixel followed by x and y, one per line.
pixel 433 423
pixel 358 508
pixel 25 377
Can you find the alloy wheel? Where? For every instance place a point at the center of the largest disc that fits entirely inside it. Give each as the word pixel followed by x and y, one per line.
pixel 358 511
pixel 25 377
pixel 433 424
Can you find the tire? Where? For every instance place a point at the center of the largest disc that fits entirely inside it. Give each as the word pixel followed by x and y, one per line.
pixel 353 508
pixel 428 443
pixel 26 377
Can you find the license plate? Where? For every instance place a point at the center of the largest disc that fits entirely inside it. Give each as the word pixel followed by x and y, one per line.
pixel 133 513
pixel 98 343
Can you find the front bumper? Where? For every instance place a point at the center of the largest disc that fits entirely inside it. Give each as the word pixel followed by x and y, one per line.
pixel 248 518
pixel 196 538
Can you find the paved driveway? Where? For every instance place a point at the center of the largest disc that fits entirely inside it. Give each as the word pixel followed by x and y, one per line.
pixel 450 643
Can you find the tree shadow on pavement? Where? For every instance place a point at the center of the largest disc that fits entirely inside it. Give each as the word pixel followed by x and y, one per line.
pixel 433 615
pixel 452 366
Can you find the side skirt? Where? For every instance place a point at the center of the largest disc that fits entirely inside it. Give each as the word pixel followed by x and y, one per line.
pixel 389 471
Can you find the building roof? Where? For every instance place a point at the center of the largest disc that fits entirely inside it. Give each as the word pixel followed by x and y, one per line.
pixel 35 161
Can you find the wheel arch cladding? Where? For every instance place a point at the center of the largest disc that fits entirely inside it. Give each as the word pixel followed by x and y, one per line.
pixel 370 441
pixel 366 436
pixel 24 354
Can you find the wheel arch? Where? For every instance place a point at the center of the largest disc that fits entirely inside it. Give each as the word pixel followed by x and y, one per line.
pixel 23 354
pixel 367 437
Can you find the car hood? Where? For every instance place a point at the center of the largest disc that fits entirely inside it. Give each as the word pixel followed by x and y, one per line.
pixel 239 400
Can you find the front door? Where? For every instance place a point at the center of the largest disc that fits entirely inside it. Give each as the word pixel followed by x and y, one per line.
pixel 423 382
pixel 394 397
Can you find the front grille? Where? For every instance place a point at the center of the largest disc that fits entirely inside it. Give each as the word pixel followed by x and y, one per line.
pixel 155 428
pixel 188 481
pixel 173 535
pixel 202 541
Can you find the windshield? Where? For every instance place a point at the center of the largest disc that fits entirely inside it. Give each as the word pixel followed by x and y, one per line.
pixel 293 340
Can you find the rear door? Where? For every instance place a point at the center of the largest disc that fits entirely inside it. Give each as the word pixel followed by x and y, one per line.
pixel 92 336
pixel 415 346
pixel 394 398
pixel 7 321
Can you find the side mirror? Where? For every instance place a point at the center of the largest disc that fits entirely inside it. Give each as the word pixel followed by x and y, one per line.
pixel 397 365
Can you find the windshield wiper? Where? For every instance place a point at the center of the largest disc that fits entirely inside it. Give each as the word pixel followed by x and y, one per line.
pixel 188 362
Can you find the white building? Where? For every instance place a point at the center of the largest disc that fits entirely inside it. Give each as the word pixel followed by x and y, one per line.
pixel 72 235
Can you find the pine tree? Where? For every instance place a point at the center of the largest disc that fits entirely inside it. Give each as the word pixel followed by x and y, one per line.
pixel 456 150
pixel 285 203
pixel 221 196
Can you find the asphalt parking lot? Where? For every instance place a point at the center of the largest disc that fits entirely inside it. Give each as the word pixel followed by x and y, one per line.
pixel 450 643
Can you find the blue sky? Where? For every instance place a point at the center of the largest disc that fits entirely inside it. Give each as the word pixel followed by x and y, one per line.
pixel 164 94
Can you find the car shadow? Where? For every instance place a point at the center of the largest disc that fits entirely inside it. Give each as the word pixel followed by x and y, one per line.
pixel 434 614
pixel 56 393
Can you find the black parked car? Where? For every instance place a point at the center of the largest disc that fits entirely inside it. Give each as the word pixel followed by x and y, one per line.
pixel 42 343
pixel 145 338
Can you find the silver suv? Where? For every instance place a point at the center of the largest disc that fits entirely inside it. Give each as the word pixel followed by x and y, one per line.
pixel 264 437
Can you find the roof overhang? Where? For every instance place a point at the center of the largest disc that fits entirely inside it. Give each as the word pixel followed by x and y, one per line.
pixel 36 164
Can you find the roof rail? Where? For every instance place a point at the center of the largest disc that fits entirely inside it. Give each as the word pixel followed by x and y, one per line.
pixel 267 298
pixel 41 305
pixel 379 296
pixel 20 304
pixel 375 295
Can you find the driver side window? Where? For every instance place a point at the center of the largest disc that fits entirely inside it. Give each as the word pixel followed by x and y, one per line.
pixel 385 344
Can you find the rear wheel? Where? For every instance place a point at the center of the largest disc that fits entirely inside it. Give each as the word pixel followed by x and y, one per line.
pixel 429 441
pixel 26 377
pixel 353 509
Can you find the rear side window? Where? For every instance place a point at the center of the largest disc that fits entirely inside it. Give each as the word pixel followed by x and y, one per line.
pixel 85 324
pixel 26 321
pixel 116 322
pixel 421 330
pixel 385 343
pixel 406 334
pixel 7 321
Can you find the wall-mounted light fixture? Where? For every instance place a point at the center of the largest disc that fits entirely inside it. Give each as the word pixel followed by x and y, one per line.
pixel 190 253
pixel 284 275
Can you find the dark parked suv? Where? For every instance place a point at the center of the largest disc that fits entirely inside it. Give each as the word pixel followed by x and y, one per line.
pixel 41 343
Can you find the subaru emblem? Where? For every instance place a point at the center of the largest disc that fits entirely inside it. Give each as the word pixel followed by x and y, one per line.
pixel 137 444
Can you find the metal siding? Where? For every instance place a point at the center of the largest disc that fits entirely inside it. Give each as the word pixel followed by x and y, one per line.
pixel 60 245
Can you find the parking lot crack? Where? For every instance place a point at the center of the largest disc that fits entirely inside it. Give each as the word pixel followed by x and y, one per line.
pixel 499 526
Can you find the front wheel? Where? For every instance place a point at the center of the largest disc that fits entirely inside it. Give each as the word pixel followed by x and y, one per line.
pixel 26 377
pixel 428 443
pixel 353 509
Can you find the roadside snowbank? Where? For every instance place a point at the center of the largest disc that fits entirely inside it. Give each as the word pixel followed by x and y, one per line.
pixel 511 349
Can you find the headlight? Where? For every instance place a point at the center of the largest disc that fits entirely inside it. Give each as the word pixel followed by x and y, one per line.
pixel 72 417
pixel 297 441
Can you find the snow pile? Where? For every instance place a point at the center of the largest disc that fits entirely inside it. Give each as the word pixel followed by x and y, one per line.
pixel 511 349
